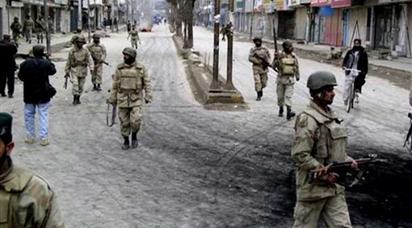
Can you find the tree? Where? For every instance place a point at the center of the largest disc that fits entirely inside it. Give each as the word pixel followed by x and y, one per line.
pixel 182 13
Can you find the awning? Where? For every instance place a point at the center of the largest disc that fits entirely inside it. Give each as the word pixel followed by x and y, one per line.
pixel 319 3
pixel 341 3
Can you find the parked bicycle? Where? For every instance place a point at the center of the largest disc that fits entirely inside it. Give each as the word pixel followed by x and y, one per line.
pixel 353 96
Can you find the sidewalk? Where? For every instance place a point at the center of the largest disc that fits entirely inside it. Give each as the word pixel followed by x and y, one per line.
pixel 57 41
pixel 402 64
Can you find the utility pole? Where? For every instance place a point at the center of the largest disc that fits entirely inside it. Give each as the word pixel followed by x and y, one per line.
pixel 251 20
pixel 46 15
pixel 88 20
pixel 127 11
pixel 215 83
pixel 229 33
pixel 79 16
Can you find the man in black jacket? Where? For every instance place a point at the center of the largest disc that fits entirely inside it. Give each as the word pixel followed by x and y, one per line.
pixel 357 59
pixel 34 72
pixel 7 66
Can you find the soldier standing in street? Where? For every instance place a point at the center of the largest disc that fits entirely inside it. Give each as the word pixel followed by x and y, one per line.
pixel 319 140
pixel 28 28
pixel 134 37
pixel 286 64
pixel 130 81
pixel 7 66
pixel 259 56
pixel 41 28
pixel 98 53
pixel 26 200
pixel 76 67
pixel 16 29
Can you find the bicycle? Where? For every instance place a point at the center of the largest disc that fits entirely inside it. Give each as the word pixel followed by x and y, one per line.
pixel 353 96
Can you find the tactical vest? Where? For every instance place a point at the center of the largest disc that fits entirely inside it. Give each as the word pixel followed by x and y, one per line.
pixel 331 139
pixel 9 196
pixel 96 51
pixel 134 34
pixel 80 57
pixel 288 65
pixel 131 79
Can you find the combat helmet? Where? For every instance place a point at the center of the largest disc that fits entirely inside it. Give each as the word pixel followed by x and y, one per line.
pixel 96 36
pixel 130 52
pixel 257 38
pixel 320 79
pixel 80 39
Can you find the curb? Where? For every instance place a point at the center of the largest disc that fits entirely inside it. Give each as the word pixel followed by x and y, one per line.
pixel 200 78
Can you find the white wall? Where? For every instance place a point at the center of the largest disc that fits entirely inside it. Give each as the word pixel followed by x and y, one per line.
pixel 301 21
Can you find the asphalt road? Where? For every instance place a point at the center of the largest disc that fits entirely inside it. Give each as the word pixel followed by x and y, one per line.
pixel 196 167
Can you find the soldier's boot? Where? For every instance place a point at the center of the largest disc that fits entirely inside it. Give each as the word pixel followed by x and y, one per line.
pixel 134 140
pixel 74 99
pixel 94 87
pixel 78 99
pixel 126 143
pixel 289 113
pixel 98 87
pixel 280 111
pixel 259 95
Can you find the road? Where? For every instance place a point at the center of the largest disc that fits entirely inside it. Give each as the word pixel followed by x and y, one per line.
pixel 202 168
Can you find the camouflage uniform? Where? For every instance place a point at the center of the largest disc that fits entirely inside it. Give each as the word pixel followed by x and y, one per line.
pixel 288 68
pixel 134 38
pixel 260 71
pixel 319 139
pixel 26 200
pixel 77 62
pixel 129 82
pixel 16 30
pixel 28 29
pixel 98 52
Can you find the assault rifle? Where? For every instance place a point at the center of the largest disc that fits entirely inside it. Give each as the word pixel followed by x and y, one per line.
pixel 345 172
pixel 408 136
pixel 265 63
pixel 110 121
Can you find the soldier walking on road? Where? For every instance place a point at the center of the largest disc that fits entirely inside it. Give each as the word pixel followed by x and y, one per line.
pixel 131 84
pixel 8 52
pixel 134 37
pixel 28 28
pixel 41 28
pixel 287 67
pixel 26 199
pixel 259 56
pixel 76 67
pixel 16 29
pixel 98 53
pixel 319 140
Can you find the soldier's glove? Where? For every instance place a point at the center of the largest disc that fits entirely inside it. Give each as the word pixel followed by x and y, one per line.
pixel 109 101
pixel 147 101
pixel 67 75
pixel 297 79
pixel 329 178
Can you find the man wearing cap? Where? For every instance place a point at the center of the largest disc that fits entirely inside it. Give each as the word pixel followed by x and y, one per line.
pixel 131 85
pixel 7 66
pixel 26 200
pixel 34 72
pixel 259 56
pixel 286 64
pixel 319 140
pixel 98 52
pixel 76 67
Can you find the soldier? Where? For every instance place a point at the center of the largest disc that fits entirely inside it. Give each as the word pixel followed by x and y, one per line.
pixel 98 52
pixel 41 28
pixel 28 28
pixel 286 64
pixel 7 66
pixel 129 82
pixel 76 67
pixel 16 29
pixel 319 140
pixel 259 56
pixel 134 37
pixel 26 200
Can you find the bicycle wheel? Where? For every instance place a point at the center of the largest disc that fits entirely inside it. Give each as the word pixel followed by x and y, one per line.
pixel 349 106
